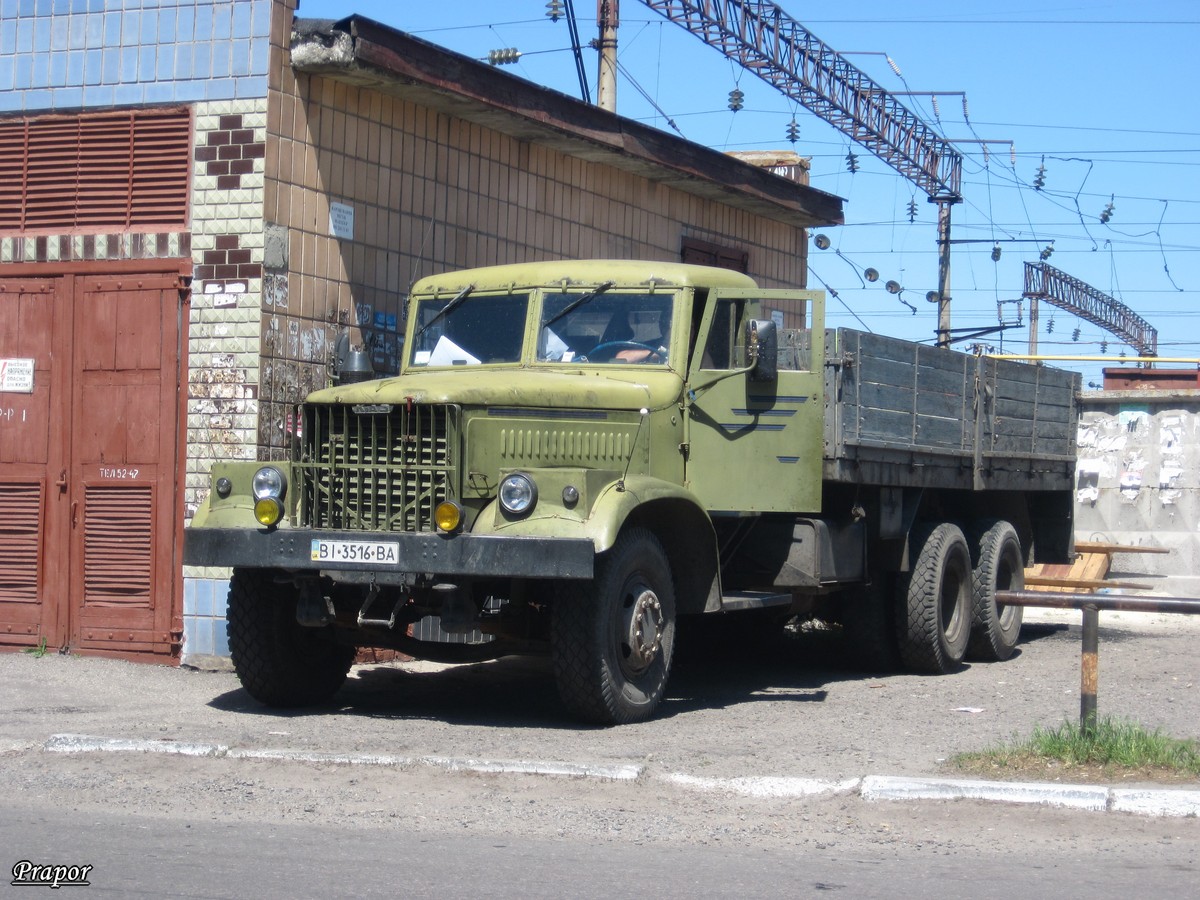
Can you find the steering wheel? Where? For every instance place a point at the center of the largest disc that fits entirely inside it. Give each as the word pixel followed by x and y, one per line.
pixel 609 350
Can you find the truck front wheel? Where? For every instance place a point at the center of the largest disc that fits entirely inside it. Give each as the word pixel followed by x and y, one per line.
pixel 612 639
pixel 279 662
pixel 935 600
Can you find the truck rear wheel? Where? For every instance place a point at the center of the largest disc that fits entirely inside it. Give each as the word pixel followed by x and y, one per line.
pixel 999 565
pixel 935 597
pixel 612 639
pixel 279 662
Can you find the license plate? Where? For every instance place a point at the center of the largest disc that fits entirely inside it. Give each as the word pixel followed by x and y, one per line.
pixel 385 552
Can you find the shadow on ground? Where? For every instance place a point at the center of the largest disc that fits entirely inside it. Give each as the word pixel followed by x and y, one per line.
pixel 713 669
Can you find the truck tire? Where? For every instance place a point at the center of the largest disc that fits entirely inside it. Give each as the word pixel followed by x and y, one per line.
pixel 612 639
pixel 935 600
pixel 869 625
pixel 279 662
pixel 998 565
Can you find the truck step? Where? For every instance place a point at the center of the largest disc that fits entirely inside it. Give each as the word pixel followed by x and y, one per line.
pixel 740 600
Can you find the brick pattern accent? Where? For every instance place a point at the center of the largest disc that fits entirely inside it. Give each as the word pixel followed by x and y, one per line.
pixel 86 247
pixel 231 159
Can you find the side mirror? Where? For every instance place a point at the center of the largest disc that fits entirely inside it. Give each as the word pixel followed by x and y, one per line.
pixel 762 349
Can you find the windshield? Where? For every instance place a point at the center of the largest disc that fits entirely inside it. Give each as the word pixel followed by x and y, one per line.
pixel 477 329
pixel 608 328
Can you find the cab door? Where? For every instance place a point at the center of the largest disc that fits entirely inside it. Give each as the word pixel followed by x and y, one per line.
pixel 756 446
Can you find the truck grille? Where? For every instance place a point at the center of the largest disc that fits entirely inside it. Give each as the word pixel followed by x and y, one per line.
pixel 376 467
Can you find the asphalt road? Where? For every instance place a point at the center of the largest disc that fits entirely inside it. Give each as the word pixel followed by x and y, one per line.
pixel 190 857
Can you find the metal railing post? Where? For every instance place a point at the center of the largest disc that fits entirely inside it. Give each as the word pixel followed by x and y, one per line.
pixel 1091 604
pixel 1089 669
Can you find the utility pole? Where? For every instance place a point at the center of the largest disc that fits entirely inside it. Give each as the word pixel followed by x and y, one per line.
pixel 944 202
pixel 608 18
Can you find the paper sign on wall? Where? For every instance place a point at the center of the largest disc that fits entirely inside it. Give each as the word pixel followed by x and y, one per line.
pixel 341 221
pixel 16 376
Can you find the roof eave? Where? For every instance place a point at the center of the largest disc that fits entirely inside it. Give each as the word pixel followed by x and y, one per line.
pixel 363 52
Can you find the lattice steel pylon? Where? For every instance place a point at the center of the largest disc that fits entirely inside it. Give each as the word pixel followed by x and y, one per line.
pixel 764 39
pixel 1043 282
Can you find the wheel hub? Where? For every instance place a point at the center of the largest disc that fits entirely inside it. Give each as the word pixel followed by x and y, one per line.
pixel 643 629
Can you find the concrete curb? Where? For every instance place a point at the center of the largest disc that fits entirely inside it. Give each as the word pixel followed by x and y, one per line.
pixel 82 743
pixel 873 788
pixel 1071 796
pixel 781 787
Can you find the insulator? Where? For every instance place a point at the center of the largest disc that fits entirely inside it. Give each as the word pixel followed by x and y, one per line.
pixel 851 162
pixel 1012 154
pixel 1104 346
pixel 1039 181
pixel 793 131
pixel 966 112
pixel 1050 325
pixel 1107 214
pixel 505 56
pixel 554 10
pixel 895 68
pixel 736 99
pixel 996 252
pixel 1075 333
pixel 1047 250
pixel 912 210
pixel 937 113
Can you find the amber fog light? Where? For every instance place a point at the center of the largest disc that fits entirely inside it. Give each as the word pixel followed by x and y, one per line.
pixel 268 511
pixel 448 516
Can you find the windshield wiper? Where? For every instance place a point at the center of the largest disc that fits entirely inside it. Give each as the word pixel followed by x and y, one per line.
pixel 455 301
pixel 578 302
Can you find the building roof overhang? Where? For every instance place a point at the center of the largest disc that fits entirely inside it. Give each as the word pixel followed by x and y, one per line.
pixel 360 51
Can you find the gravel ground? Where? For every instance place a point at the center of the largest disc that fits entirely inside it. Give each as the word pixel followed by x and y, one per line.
pixel 789 709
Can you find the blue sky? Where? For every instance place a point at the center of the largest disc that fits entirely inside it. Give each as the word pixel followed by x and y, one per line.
pixel 1102 94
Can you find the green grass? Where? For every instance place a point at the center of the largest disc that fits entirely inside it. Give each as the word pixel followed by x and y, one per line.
pixel 1114 748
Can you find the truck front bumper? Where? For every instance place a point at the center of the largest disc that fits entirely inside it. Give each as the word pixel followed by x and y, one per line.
pixel 479 556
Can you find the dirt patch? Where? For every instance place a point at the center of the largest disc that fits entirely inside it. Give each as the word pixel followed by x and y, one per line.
pixel 1027 766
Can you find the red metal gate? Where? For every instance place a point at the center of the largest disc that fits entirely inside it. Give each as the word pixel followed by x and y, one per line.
pixel 88 484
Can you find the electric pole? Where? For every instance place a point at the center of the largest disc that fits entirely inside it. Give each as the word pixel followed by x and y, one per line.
pixel 608 18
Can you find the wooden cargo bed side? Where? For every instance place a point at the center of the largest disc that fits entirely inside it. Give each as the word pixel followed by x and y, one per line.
pixel 907 414
pixel 1031 410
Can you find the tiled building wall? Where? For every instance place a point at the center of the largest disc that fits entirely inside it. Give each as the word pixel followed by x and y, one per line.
pixel 424 192
pixel 60 55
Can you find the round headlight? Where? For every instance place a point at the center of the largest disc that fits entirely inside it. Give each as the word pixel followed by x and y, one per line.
pixel 518 494
pixel 269 482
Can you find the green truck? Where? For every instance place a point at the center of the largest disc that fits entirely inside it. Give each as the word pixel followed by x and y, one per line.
pixel 576 454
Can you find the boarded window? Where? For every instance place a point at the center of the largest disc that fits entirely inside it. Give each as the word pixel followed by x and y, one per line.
pixel 705 253
pixel 123 171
